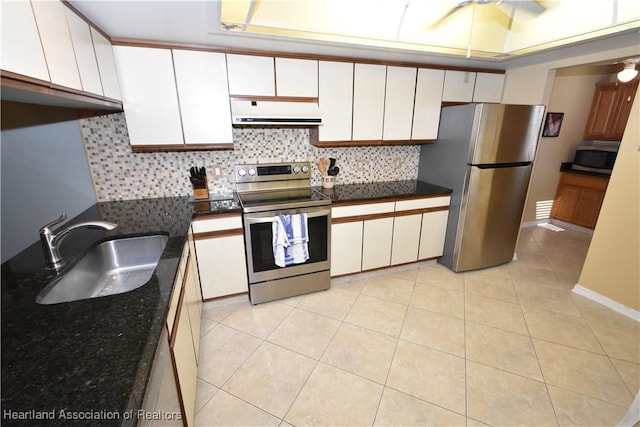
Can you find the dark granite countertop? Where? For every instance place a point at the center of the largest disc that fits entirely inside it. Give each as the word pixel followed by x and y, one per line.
pixel 568 167
pixel 382 191
pixel 90 358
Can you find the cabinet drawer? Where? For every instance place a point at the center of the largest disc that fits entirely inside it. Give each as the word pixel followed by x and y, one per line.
pixel 358 210
pixel 585 181
pixel 217 224
pixel 432 202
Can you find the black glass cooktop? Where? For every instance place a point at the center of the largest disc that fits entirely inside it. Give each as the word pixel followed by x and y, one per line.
pixel 282 199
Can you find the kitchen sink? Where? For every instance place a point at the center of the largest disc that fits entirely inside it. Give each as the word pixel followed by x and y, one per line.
pixel 112 267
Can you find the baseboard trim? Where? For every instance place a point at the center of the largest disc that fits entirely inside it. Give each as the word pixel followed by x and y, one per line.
pixel 607 302
pixel 534 223
pixel 573 227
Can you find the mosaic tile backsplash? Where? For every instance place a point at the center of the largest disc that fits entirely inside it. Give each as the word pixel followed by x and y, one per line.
pixel 119 174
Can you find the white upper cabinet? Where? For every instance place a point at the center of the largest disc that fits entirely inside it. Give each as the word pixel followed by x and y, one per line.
pixel 296 77
pixel 426 110
pixel 21 48
pixel 458 86
pixel 201 79
pixel 149 95
pixel 106 65
pixel 84 53
pixel 488 87
pixel 335 97
pixel 368 101
pixel 56 43
pixel 398 105
pixel 251 75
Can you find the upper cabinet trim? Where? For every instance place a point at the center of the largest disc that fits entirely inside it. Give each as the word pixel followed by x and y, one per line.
pixel 208 48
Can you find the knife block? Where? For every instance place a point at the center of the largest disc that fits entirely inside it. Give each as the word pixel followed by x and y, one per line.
pixel 201 193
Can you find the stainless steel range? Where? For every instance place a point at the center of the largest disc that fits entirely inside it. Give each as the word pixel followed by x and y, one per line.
pixel 287 229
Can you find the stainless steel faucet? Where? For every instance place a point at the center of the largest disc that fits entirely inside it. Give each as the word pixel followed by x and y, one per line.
pixel 51 241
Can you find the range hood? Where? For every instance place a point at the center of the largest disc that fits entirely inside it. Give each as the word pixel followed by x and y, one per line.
pixel 287 113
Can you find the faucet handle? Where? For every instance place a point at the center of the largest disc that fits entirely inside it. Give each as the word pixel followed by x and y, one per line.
pixel 54 222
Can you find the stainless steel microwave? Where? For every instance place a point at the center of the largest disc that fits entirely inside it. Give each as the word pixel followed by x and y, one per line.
pixel 595 158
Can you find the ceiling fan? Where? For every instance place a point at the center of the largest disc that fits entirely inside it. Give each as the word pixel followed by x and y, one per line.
pixel 508 7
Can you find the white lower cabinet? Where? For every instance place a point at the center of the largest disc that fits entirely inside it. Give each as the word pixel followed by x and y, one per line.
pixel 219 243
pixel 376 243
pixel 346 248
pixel 183 334
pixel 377 235
pixel 406 238
pixel 432 233
pixel 185 363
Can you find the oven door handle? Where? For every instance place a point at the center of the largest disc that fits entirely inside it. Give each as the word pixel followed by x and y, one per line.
pixel 253 219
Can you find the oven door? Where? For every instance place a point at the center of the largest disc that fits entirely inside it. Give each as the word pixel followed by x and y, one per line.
pixel 258 237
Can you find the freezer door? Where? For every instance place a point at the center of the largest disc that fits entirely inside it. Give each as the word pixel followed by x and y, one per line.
pixel 490 216
pixel 505 133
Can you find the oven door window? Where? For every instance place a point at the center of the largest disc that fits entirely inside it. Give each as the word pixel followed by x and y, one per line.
pixel 262 249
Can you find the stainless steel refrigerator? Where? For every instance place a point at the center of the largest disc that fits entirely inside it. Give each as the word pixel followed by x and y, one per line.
pixel 484 153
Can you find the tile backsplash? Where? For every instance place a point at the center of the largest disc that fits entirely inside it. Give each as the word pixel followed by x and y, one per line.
pixel 119 174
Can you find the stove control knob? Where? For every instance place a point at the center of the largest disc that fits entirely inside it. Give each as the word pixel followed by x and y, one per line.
pixel 296 169
pixel 252 171
pixel 305 169
pixel 242 172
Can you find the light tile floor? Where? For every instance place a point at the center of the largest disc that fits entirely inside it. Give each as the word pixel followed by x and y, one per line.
pixel 419 346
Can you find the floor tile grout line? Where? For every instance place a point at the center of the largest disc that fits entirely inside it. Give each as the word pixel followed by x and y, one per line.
pixel 318 361
pixel 581 315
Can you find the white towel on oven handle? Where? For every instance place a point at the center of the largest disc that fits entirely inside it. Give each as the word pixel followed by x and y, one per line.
pixel 290 239
pixel 280 241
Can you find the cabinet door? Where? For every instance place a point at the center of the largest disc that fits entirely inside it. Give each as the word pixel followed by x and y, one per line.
pixel 149 95
pixel 426 110
pixel 565 202
pixel 588 207
pixel 296 77
pixel 84 52
pixel 21 48
pixel 161 395
pixel 626 94
pixel 346 248
pixel 406 238
pixel 201 80
pixel 251 75
pixel 432 234
pixel 184 362
pixel 488 87
pixel 56 42
pixel 398 105
pixel 377 237
pixel 335 97
pixel 106 65
pixel 603 107
pixel 222 266
pixel 368 101
pixel 458 86
pixel 193 303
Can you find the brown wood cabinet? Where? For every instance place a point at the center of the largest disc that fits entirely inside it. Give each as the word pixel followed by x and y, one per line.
pixel 579 198
pixel 610 110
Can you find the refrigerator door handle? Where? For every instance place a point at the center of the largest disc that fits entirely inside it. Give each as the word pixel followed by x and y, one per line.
pixel 501 165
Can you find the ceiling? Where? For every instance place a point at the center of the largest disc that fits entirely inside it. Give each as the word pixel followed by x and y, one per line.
pixel 485 33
